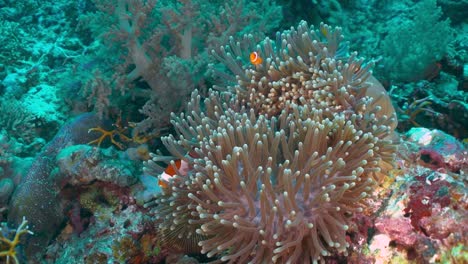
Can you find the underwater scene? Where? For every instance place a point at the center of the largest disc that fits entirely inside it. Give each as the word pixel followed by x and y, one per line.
pixel 233 131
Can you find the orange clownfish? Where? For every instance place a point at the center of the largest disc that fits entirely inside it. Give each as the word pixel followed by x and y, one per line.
pixel 182 167
pixel 255 58
pixel 170 172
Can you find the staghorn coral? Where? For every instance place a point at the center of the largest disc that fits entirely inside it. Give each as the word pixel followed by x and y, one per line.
pixel 273 179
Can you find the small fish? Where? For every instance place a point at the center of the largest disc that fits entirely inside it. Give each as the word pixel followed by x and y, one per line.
pixel 255 58
pixel 182 167
pixel 324 31
pixel 170 172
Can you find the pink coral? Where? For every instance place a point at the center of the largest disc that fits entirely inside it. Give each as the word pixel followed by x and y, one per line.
pixel 423 196
pixel 400 230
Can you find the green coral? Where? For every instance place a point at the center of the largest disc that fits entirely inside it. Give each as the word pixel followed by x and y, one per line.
pixel 457 254
pixel 10 34
pixel 415 43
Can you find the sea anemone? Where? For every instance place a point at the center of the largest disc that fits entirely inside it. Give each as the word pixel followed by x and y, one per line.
pixel 277 181
pixel 279 188
pixel 303 65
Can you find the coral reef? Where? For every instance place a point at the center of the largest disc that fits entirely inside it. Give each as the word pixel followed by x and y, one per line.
pixel 412 47
pixel 165 48
pixel 40 194
pixel 120 234
pixel 439 151
pixel 83 164
pixel 294 156
pixel 36 196
pixel 412 40
pixel 440 104
pixel 424 218
pixel 427 216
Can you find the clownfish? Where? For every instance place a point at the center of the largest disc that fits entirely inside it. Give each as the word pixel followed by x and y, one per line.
pixel 182 167
pixel 255 58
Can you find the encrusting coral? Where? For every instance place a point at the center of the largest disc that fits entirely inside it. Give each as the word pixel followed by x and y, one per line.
pixel 276 169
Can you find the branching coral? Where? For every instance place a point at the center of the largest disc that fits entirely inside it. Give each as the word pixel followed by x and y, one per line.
pixel 165 46
pixel 8 247
pixel 274 178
